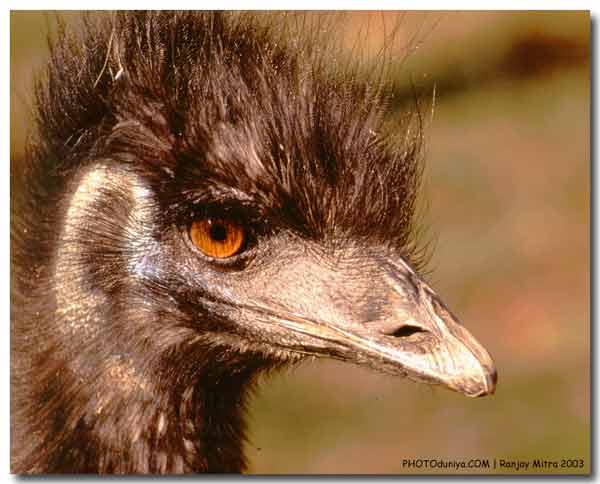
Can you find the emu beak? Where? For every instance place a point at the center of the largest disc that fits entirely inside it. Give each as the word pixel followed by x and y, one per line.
pixel 422 337
pixel 410 333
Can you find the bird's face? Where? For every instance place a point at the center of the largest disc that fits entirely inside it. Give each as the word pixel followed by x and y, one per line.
pixel 236 269
pixel 348 299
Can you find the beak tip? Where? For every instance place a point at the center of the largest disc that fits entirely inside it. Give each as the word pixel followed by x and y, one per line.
pixel 491 381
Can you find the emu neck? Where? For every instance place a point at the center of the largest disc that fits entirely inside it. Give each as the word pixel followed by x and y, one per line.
pixel 123 387
pixel 141 430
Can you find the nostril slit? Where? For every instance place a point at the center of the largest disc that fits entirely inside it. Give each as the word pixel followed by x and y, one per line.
pixel 405 331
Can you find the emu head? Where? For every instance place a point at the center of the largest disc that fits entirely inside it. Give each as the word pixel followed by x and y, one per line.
pixel 209 199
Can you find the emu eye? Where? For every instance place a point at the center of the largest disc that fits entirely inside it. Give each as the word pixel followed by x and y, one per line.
pixel 217 238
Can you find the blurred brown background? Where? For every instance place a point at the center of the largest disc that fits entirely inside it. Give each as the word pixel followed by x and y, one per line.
pixel 507 189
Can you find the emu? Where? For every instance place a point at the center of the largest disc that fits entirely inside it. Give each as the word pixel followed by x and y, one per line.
pixel 203 200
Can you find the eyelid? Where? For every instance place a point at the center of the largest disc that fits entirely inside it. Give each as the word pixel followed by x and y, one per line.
pixel 254 222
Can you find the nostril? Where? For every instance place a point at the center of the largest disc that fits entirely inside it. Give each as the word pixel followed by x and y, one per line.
pixel 405 331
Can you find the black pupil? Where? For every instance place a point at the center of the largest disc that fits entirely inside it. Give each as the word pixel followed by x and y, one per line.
pixel 218 232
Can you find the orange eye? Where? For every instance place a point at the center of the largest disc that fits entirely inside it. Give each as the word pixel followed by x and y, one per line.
pixel 217 238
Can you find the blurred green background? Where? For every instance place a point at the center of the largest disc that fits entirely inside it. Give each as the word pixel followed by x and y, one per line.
pixel 507 193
